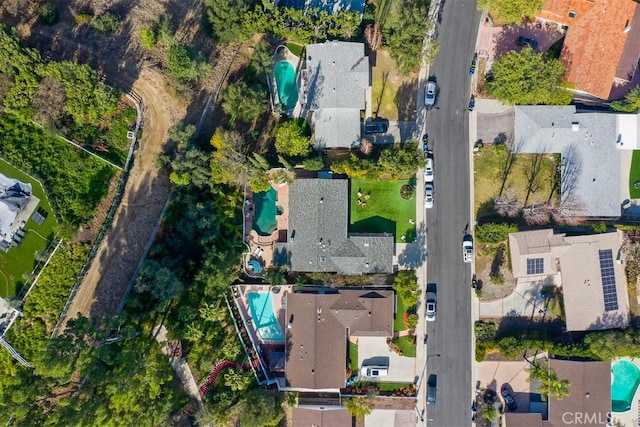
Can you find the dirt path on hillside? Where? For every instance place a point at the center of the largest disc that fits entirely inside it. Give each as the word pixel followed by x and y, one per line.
pixel 145 194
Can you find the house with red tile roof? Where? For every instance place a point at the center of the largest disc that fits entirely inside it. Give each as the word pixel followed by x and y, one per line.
pixel 602 45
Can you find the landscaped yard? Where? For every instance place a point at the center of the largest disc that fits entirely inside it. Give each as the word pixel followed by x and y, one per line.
pixel 353 357
pixel 385 210
pixel 393 96
pixel 634 175
pixel 20 260
pixel 407 346
pixel 495 173
pixel 398 322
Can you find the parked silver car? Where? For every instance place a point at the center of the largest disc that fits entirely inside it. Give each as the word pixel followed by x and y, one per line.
pixel 430 94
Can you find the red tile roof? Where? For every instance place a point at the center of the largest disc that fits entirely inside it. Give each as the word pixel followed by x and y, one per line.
pixel 595 41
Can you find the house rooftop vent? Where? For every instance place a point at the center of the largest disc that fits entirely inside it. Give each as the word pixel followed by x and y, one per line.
pixel 575 126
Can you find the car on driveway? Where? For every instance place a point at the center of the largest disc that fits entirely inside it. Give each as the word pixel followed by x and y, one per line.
pixel 509 401
pixel 467 248
pixel 430 94
pixel 527 41
pixel 374 371
pixel 428 170
pixel 431 300
pixel 428 196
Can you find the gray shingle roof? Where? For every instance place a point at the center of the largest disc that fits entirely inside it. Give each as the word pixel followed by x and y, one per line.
pixel 318 239
pixel 591 159
pixel 338 77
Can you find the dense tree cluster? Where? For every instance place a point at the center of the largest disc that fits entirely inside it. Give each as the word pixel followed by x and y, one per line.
pixel 511 11
pixel 395 162
pixel 403 33
pixel 529 78
pixel 630 103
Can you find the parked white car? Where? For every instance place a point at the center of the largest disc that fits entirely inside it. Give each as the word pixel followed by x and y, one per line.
pixel 428 196
pixel 428 170
pixel 467 248
pixel 430 94
pixel 374 371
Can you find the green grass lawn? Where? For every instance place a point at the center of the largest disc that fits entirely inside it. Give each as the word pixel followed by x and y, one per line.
pixel 407 346
pixel 295 48
pixel 353 357
pixel 386 211
pixel 393 95
pixel 398 322
pixel 489 165
pixel 18 261
pixel 634 175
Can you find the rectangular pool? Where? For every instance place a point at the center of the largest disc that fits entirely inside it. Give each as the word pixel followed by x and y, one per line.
pixel 264 319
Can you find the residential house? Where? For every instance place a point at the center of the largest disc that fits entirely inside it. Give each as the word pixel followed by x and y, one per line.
pixel 329 6
pixel 318 239
pixel 602 44
pixel 14 197
pixel 595 148
pixel 594 286
pixel 318 330
pixel 338 83
pixel 588 404
pixel 321 416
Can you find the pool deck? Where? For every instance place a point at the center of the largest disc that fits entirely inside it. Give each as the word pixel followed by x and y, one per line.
pixel 630 418
pixel 261 247
pixel 279 308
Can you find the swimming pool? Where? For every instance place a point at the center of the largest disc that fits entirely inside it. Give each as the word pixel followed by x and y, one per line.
pixel 264 221
pixel 626 377
pixel 264 318
pixel 285 76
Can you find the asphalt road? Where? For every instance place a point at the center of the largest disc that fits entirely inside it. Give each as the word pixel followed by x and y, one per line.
pixel 449 345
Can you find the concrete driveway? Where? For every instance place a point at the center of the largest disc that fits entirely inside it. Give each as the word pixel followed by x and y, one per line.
pixel 513 375
pixel 495 121
pixel 397 132
pixel 524 301
pixel 389 418
pixel 375 351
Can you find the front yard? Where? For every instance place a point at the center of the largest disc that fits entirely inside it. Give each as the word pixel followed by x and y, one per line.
pixel 529 177
pixel 634 175
pixel 382 209
pixel 393 96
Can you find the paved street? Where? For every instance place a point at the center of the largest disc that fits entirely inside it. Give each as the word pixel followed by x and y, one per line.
pixel 449 344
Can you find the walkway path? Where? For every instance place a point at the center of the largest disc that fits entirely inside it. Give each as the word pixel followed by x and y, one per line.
pixel 524 301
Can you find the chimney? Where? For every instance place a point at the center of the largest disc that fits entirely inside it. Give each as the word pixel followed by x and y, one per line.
pixel 575 126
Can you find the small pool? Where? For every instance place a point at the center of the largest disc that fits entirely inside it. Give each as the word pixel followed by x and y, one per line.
pixel 624 382
pixel 264 318
pixel 285 76
pixel 264 220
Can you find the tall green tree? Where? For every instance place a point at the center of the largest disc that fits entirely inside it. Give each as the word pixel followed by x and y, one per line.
pixel 406 285
pixel 511 11
pixel 404 33
pixel 243 102
pixel 528 78
pixel 401 160
pixel 630 103
pixel 236 380
pixel 275 276
pixel 292 138
pixel 359 407
pixel 226 19
pixel 260 409
pixel 550 384
pixel 159 281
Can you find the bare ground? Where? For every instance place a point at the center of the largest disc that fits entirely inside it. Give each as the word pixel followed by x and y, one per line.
pixel 122 63
pixel 490 289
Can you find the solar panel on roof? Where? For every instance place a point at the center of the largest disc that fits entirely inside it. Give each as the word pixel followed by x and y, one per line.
pixel 608 280
pixel 535 265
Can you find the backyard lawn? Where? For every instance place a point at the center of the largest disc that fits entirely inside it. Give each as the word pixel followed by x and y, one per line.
pixel 634 175
pixel 20 260
pixel 353 357
pixel 494 172
pixel 398 322
pixel 385 210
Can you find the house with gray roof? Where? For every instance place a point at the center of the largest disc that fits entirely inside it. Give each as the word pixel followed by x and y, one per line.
pixel 594 285
pixel 318 239
pixel 14 196
pixel 596 150
pixel 338 83
pixel 319 327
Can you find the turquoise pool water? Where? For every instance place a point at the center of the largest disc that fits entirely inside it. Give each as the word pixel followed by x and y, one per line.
pixel 264 319
pixel 264 221
pixel 626 377
pixel 285 76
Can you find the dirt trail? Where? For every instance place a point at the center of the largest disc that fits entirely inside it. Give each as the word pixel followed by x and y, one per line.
pixel 146 191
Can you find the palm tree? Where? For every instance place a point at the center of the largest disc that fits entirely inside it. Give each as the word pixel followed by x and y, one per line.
pixel 550 385
pixel 275 276
pixel 359 407
pixel 237 380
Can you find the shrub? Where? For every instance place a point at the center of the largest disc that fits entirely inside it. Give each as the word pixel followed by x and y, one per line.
pixel 599 228
pixel 48 14
pixel 494 233
pixel 107 23
pixel 83 18
pixel 313 163
pixel 148 38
